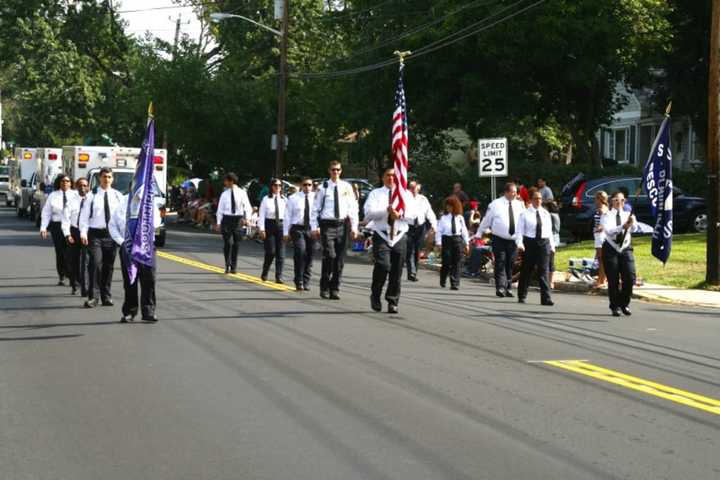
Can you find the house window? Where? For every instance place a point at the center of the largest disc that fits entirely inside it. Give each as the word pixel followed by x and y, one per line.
pixel 617 144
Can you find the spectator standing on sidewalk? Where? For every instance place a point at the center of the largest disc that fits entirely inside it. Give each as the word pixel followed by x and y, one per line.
pixel 601 208
pixel 545 191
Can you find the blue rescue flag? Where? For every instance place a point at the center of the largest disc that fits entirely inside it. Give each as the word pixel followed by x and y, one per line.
pixel 657 183
pixel 140 226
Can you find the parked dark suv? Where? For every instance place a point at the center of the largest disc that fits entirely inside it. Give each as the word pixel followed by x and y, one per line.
pixel 578 205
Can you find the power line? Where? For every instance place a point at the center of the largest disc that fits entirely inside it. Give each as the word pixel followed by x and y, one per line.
pixel 451 39
pixel 150 9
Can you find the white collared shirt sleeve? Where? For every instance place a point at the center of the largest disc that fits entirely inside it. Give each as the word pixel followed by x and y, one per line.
pixel 375 205
pixel 222 206
pixel 262 213
pixel 245 204
pixel 487 221
pixel 85 215
pixel 353 208
pixel 316 207
pixel 290 212
pixel 429 214
pixel 116 225
pixel 46 214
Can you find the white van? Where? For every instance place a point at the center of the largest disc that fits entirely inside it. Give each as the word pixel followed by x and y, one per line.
pixel 26 179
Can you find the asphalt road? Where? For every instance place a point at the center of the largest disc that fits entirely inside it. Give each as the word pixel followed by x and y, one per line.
pixel 242 381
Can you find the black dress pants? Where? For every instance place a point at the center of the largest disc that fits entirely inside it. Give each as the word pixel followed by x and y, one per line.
pixel 452 254
pixel 230 229
pixel 103 250
pixel 146 280
pixel 415 239
pixel 537 254
pixel 78 260
pixel 504 252
pixel 274 248
pixel 333 237
pixel 619 267
pixel 303 245
pixel 388 267
pixel 60 243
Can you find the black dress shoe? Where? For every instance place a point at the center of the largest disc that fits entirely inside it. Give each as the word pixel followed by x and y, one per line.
pixel 91 303
pixel 61 283
pixel 127 318
pixel 149 318
pixel 306 288
pixel 442 284
pixel 108 303
pixel 547 303
pixel 299 288
pixel 74 291
pixel 521 300
pixel 227 270
pixel 375 304
pixel 509 294
pixel 263 278
pixel 615 312
pixel 233 271
pixel 454 287
pixel 392 308
pixel 279 281
pixel 324 294
pixel 334 295
pixel 626 311
pixel 499 294
pixel 412 278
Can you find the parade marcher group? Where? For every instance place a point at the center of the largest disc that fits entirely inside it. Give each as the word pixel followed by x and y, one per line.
pixel 88 228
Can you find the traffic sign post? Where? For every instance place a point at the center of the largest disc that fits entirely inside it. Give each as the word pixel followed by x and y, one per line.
pixel 493 161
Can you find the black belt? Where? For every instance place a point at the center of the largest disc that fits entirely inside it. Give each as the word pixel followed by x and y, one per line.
pixel 272 220
pixel 533 239
pixel 233 216
pixel 334 223
pixel 299 227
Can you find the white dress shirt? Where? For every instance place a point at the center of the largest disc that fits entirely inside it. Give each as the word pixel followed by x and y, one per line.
pixel 424 211
pixel 527 226
pixel 295 210
pixel 497 218
pixel 376 206
pixel 267 210
pixel 612 229
pixel 71 216
pixel 53 209
pixel 444 228
pixel 118 221
pixel 95 204
pixel 243 208
pixel 324 208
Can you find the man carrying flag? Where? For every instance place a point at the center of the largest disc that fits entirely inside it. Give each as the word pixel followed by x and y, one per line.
pixel 133 228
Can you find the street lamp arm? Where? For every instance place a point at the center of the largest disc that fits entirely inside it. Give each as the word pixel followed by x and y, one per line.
pixel 217 17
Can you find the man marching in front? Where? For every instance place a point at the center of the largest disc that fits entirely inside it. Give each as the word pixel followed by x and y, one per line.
pixel 297 227
pixel 535 238
pixel 335 206
pixel 617 254
pixel 51 217
pixel 389 241
pixel 418 229
pixel 271 217
pixel 501 219
pixel 233 210
pixel 95 217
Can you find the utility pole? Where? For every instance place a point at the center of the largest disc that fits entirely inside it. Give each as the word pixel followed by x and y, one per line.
pixel 713 151
pixel 282 97
pixel 177 35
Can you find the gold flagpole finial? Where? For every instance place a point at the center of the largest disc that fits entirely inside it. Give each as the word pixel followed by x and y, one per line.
pixel 151 110
pixel 402 55
pixel 668 109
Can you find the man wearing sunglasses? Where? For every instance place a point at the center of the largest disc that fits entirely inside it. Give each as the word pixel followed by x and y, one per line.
pixel 298 228
pixel 335 207
pixel 233 210
pixel 617 254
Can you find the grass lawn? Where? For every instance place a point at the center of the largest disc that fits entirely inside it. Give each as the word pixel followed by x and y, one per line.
pixel 686 267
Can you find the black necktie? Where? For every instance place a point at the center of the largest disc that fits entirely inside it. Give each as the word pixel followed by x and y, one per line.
pixel 82 202
pixel 452 223
pixel 390 221
pixel 107 210
pixel 64 200
pixel 511 228
pixel 336 201
pixel 619 237
pixel 306 215
pixel 538 225
pixel 232 201
pixel 277 210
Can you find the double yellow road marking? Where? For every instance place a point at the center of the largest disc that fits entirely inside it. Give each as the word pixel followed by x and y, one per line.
pixel 211 268
pixel 676 395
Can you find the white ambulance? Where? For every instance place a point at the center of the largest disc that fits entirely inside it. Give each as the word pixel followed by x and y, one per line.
pixel 50 164
pixel 25 179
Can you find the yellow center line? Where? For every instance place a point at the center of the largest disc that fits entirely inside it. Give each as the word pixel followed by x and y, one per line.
pixel 211 268
pixel 676 395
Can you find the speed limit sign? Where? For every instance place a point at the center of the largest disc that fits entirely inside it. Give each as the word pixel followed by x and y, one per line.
pixel 493 157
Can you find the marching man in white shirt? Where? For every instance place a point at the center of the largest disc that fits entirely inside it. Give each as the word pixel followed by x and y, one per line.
pixel 77 252
pixel 418 229
pixel 335 206
pixel 234 209
pixel 536 239
pixel 95 217
pixel 390 229
pixel 501 219
pixel 270 224
pixel 617 254
pixel 297 227
pixel 51 218
pixel 453 238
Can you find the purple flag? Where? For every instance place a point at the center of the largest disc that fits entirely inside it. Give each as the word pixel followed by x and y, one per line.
pixel 140 229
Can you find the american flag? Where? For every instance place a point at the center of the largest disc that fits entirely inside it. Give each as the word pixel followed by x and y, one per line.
pixel 400 145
